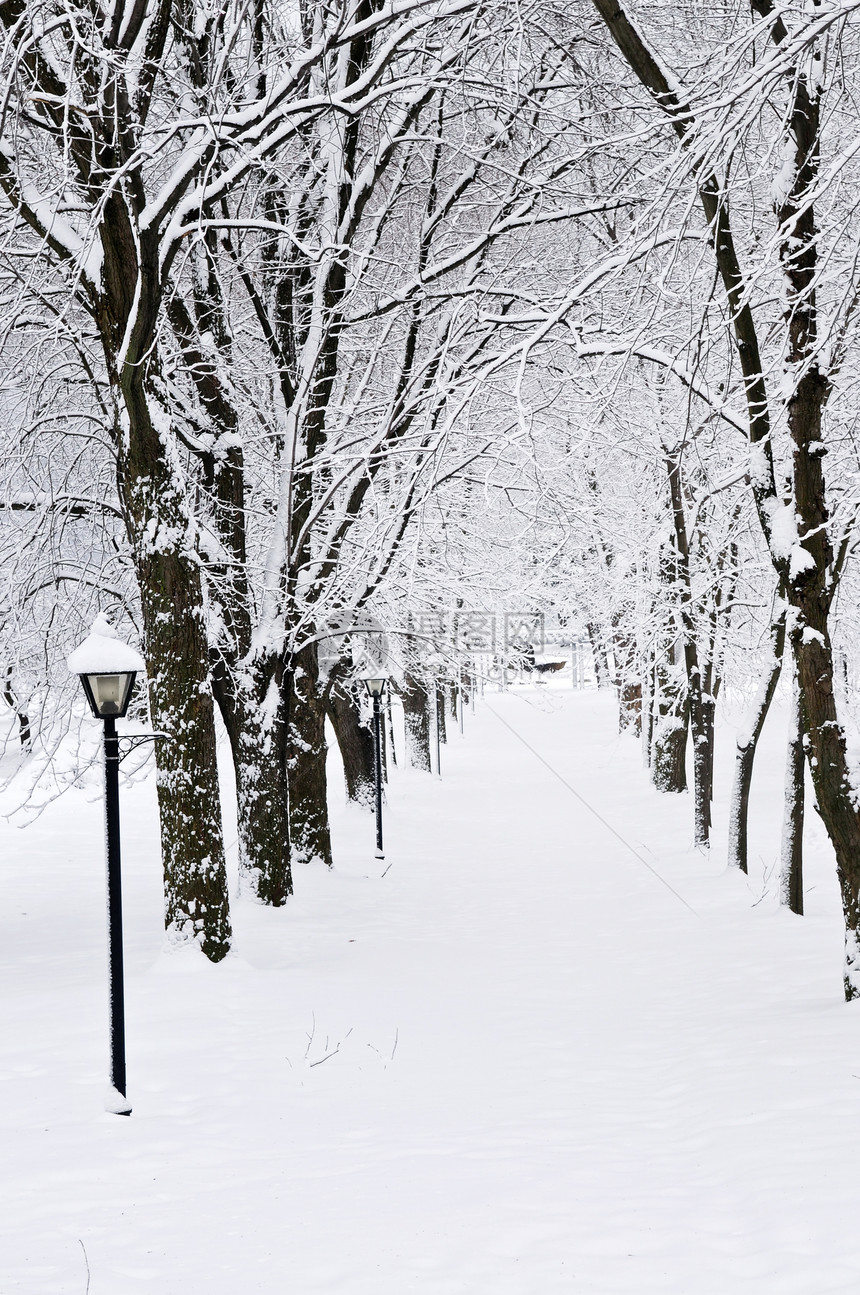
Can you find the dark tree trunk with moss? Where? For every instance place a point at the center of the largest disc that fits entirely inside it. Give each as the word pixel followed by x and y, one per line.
pixel 161 535
pixel 263 821
pixel 255 718
pixel 180 696
pixel 310 838
pixel 126 305
pixel 248 684
pixel 416 720
pixel 669 754
pixel 355 743
pixel 747 744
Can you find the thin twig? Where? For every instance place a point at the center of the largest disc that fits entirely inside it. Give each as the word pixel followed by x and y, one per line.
pixel 333 1053
pixel 87 1262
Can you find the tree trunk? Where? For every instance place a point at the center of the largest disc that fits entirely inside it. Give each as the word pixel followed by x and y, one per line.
pixel 180 700
pixel 700 703
pixel 262 806
pixel 669 764
pixel 309 826
pixel 648 717
pixel 831 777
pixel 671 722
pixel 702 733
pixel 808 571
pixel 630 706
pixel 440 712
pixel 355 742
pixel 255 718
pixel 416 718
pixel 812 575
pixel 747 743
pixel 629 685
pixel 156 509
pixel 598 653
pixel 248 685
pixel 9 696
pixel 791 872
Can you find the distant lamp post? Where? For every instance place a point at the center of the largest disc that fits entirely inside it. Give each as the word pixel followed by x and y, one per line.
pixel 107 668
pixel 375 685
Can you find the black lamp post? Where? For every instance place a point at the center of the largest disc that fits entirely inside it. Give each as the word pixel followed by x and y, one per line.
pixel 375 685
pixel 107 668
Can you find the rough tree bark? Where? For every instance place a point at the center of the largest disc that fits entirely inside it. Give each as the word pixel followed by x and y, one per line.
pixel 355 743
pixel 791 855
pixel 629 684
pixel 669 752
pixel 86 107
pixel 669 704
pixel 168 572
pixel 180 696
pixel 310 838
pixel 598 653
pixel 248 683
pixel 700 699
pixel 256 721
pixel 416 719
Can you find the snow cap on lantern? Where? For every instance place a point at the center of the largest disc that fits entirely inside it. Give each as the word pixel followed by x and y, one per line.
pixel 107 668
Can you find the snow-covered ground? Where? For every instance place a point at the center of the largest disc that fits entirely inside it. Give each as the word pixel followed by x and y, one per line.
pixel 513 1059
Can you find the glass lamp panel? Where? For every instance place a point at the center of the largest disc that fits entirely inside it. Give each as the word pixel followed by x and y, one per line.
pixel 111 692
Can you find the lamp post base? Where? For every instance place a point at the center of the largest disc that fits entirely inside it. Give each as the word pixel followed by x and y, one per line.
pixel 116 1103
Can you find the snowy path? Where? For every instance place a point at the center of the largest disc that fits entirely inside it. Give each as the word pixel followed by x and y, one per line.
pixel 515 1064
